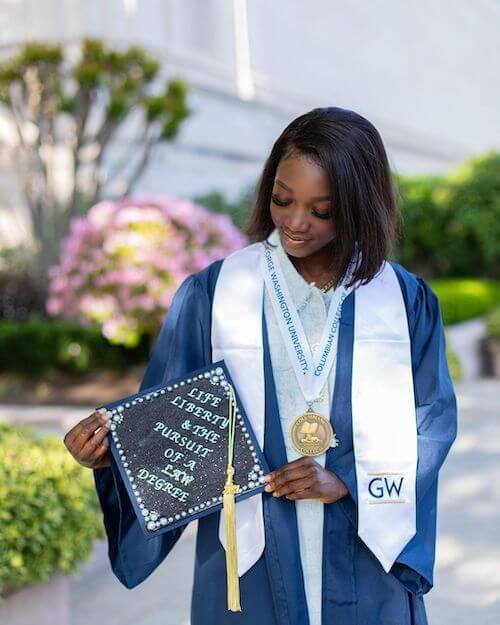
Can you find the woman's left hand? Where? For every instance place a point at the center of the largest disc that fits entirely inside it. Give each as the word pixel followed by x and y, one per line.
pixel 305 478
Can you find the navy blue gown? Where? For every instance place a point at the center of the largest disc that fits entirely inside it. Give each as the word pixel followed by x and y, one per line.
pixel 356 589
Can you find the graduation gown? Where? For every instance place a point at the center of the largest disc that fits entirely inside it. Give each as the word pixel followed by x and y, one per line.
pixel 355 589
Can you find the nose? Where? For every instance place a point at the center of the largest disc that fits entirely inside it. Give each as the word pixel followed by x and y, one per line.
pixel 297 221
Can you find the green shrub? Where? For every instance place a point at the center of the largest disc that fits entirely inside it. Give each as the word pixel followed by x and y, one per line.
pixel 452 222
pixel 21 291
pixel 465 298
pixel 49 513
pixel 424 226
pixel 239 210
pixel 493 323
pixel 470 194
pixel 453 364
pixel 39 344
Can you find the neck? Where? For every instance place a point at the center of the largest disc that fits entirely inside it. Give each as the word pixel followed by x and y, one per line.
pixel 317 267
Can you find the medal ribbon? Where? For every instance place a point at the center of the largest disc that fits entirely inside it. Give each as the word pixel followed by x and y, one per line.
pixel 311 375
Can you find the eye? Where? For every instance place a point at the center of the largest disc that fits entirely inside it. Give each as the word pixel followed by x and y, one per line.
pixel 279 202
pixel 323 215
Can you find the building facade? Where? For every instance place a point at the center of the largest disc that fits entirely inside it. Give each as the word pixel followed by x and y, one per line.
pixel 425 73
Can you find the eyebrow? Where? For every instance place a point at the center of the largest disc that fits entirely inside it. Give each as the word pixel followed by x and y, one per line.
pixel 319 198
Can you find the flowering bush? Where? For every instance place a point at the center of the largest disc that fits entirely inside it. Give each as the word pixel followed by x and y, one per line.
pixel 122 263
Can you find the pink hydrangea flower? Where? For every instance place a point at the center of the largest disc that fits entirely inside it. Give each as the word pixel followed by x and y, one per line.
pixel 121 264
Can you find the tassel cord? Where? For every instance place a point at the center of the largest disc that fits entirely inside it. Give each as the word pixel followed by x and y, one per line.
pixel 229 505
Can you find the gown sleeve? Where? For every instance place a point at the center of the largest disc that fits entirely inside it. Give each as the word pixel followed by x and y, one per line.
pixel 436 413
pixel 181 347
pixel 436 409
pixel 436 404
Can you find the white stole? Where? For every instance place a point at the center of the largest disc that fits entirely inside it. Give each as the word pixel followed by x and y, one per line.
pixel 383 405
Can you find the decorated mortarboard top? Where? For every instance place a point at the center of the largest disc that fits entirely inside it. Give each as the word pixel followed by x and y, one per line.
pixel 170 444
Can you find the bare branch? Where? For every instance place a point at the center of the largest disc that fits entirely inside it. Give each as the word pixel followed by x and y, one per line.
pixel 143 162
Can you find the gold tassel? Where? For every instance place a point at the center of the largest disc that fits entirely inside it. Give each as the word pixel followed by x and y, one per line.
pixel 233 582
pixel 229 505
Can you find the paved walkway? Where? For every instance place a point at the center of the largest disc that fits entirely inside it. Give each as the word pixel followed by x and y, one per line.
pixel 467 575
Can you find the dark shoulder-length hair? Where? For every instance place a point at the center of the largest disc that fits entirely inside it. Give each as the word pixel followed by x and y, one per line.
pixel 364 199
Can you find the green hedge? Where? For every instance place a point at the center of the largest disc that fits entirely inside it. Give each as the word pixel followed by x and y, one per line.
pixel 425 227
pixel 465 298
pixel 493 323
pixel 39 345
pixel 49 513
pixel 453 364
pixel 238 209
pixel 452 222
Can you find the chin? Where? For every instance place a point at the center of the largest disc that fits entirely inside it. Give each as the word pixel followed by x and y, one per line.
pixel 291 251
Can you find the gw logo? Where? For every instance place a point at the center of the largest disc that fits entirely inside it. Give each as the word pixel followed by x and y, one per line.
pixel 386 490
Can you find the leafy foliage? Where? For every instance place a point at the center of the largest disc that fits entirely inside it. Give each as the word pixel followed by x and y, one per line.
pixel 465 298
pixel 493 323
pixel 49 515
pixel 453 364
pixel 21 294
pixel 452 223
pixel 472 197
pixel 238 209
pixel 67 111
pixel 37 345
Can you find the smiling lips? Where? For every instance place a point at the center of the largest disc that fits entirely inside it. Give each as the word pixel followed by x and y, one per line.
pixel 294 238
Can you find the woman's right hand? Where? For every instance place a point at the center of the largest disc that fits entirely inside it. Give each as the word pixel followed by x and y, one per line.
pixel 87 441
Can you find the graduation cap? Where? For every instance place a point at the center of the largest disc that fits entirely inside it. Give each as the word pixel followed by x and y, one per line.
pixel 186 449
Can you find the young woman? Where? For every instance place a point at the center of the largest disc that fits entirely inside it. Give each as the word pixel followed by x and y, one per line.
pixel 316 326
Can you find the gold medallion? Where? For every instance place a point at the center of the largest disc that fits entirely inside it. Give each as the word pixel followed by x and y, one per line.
pixel 312 434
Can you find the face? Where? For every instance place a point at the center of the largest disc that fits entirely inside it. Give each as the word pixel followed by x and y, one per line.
pixel 301 208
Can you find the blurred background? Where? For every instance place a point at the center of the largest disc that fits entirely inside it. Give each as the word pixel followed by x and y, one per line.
pixel 132 134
